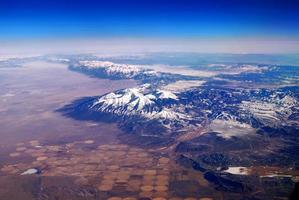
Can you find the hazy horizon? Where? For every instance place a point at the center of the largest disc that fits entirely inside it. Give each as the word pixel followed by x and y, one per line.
pixel 90 26
pixel 148 45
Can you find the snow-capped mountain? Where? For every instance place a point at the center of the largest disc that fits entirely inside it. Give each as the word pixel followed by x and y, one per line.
pixel 140 101
pixel 141 73
pixel 177 102
pixel 272 111
pixel 124 70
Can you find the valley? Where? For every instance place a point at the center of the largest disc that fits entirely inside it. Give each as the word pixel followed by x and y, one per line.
pixel 121 131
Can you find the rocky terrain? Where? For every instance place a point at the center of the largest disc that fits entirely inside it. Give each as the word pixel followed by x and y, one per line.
pixel 211 122
pixel 228 122
pixel 187 108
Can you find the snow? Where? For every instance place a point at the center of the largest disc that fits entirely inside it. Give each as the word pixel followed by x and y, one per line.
pixel 229 127
pixel 271 111
pixel 238 170
pixel 54 59
pixel 151 96
pixel 30 171
pixel 237 68
pixel 129 71
pixel 130 98
pixel 170 114
pixel 182 85
pixel 96 64
pixel 141 101
pixel 153 70
pixel 288 101
pixel 163 94
pixel 138 101
pixel 276 175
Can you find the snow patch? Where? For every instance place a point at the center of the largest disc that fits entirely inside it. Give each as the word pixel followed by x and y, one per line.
pixel 30 171
pixel 182 85
pixel 238 170
pixel 163 94
pixel 231 128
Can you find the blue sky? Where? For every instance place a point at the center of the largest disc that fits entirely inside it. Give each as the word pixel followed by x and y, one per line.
pixel 148 19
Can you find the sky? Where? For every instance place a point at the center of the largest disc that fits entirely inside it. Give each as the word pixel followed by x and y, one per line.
pixel 257 25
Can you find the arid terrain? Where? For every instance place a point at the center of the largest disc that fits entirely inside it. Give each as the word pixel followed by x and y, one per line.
pixel 92 129
pixel 77 159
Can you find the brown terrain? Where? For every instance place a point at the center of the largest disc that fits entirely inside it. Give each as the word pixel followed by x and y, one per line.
pixel 78 159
